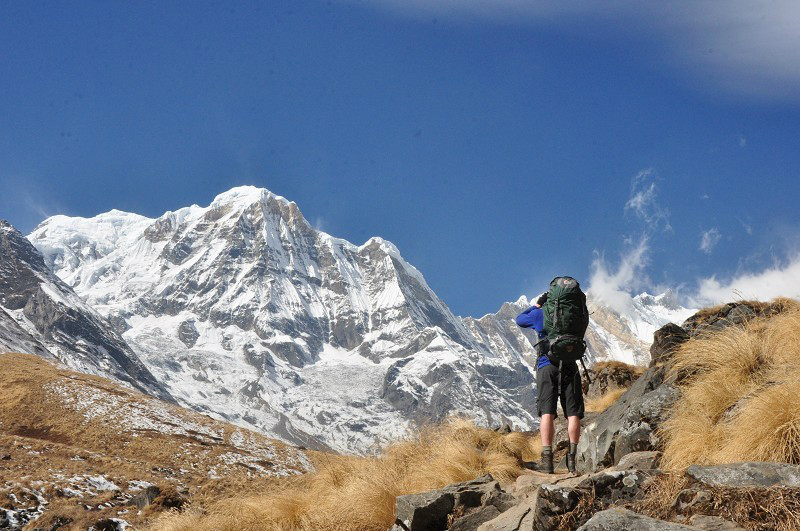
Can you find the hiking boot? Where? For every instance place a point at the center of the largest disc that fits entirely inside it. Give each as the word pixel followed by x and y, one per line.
pixel 546 465
pixel 571 458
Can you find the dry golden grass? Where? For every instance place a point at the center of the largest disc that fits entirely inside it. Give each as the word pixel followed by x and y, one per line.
pixel 358 493
pixel 635 370
pixel 740 394
pixel 603 402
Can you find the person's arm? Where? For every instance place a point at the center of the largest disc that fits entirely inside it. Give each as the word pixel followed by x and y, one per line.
pixel 525 319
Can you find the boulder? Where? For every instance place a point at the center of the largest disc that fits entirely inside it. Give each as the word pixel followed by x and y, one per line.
pixel 433 509
pixel 713 523
pixel 109 524
pixel 622 519
pixel 747 474
pixel 145 497
pixel 666 341
pixel 639 461
pixel 629 425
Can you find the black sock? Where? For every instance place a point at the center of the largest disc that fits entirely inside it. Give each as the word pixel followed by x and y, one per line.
pixel 573 448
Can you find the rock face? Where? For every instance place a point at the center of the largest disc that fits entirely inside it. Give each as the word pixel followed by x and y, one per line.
pixel 747 474
pixel 476 501
pixel 666 341
pixel 730 314
pixel 629 425
pixel 40 314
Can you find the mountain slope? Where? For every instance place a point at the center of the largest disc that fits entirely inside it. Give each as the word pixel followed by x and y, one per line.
pixel 41 315
pixel 77 446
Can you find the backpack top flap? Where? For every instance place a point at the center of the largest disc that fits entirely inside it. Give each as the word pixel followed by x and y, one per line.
pixel 565 312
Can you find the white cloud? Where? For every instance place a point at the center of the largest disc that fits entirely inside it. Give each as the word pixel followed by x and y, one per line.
pixel 614 287
pixel 709 239
pixel 781 280
pixel 745 47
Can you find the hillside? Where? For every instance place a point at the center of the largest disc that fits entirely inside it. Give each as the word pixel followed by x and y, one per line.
pixel 75 448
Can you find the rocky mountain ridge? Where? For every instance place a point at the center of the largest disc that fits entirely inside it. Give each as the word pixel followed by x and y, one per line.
pixel 41 315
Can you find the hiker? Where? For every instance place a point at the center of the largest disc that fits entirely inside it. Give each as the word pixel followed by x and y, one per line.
pixel 559 346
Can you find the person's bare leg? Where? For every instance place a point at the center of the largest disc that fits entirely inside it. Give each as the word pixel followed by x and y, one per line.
pixel 574 431
pixel 547 429
pixel 573 428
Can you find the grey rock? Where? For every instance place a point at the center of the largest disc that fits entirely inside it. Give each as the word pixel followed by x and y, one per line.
pixel 430 510
pixel 629 425
pixel 518 518
pixel 608 378
pixel 730 314
pixel 639 461
pixel 617 519
pixel 473 521
pixel 713 523
pixel 188 334
pixel 747 474
pixel 666 341
pixel 145 497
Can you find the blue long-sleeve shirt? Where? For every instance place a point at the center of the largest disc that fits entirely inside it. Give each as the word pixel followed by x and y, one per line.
pixel 533 317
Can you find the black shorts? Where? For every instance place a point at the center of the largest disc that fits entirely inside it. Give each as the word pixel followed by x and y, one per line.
pixel 571 390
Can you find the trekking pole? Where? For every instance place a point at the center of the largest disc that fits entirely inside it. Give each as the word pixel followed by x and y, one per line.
pixel 586 372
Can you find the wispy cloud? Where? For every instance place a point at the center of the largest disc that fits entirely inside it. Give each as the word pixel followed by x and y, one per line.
pixel 643 202
pixel 780 280
pixel 709 239
pixel 742 141
pixel 745 47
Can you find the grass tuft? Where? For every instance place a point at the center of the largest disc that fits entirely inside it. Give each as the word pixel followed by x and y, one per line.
pixel 740 394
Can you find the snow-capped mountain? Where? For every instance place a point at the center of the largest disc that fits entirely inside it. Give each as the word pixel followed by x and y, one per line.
pixel 243 310
pixel 626 335
pixel 39 314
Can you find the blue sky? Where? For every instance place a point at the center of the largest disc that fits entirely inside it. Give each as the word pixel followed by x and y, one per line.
pixel 496 143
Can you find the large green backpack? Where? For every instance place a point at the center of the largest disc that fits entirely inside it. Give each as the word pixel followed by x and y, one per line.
pixel 566 318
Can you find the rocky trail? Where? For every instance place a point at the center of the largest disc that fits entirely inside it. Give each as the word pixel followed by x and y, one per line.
pixel 620 484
